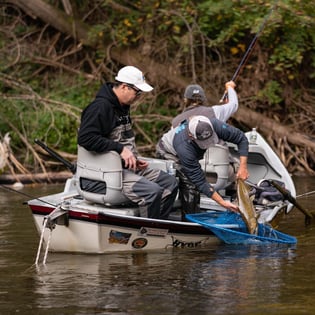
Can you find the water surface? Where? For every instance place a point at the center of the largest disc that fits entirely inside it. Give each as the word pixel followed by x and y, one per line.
pixel 224 279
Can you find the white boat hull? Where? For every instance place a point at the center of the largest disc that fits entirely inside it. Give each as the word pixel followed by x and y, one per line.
pixel 93 237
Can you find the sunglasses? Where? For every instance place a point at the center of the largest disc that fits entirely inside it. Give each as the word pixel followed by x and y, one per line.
pixel 137 91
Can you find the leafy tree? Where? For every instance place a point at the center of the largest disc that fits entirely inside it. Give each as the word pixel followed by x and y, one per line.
pixel 51 66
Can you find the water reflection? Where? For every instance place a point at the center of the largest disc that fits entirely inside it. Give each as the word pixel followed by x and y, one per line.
pixel 185 281
pixel 237 275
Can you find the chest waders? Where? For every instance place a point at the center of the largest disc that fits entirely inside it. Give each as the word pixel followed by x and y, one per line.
pixel 189 195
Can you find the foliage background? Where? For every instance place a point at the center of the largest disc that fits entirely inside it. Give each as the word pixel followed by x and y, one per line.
pixel 48 75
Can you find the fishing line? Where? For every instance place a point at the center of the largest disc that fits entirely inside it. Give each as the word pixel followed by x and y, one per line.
pixel 305 194
pixel 69 165
pixel 26 195
pixel 249 50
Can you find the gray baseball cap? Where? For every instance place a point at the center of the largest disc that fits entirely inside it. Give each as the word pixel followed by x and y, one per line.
pixel 194 92
pixel 202 131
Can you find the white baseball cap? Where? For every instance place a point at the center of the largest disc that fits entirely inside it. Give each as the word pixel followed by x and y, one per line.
pixel 133 76
pixel 202 131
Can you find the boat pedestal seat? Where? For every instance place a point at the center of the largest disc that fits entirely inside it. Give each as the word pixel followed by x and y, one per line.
pixel 216 164
pixel 99 177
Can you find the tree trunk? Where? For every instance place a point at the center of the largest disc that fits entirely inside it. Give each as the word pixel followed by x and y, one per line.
pixel 56 18
pixel 50 177
pixel 267 126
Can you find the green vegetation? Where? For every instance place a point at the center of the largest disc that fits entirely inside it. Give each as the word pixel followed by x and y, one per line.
pixel 47 76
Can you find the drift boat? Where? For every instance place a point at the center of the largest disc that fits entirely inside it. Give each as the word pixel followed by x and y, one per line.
pixel 78 220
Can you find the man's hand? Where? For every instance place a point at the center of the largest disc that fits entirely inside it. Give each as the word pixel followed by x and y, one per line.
pixel 231 206
pixel 129 159
pixel 141 164
pixel 242 172
pixel 224 203
pixel 230 84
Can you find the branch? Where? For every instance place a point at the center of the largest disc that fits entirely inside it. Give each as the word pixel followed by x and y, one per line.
pixel 267 126
pixel 56 18
pixel 59 20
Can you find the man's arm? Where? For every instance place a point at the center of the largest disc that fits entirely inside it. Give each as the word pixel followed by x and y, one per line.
pixel 225 111
pixel 242 172
pixel 95 124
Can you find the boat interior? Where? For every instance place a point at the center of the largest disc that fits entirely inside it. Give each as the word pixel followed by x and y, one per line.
pixel 99 178
pixel 97 181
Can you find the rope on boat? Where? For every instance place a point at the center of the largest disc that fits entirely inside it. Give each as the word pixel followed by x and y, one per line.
pixel 47 247
pixel 50 223
pixel 41 240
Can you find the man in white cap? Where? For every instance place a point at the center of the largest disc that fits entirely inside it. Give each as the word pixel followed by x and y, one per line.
pixel 106 126
pixel 186 145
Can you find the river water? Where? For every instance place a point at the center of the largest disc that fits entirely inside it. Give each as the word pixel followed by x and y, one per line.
pixel 225 279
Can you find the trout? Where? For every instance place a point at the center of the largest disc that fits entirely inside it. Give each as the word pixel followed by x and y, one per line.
pixel 246 207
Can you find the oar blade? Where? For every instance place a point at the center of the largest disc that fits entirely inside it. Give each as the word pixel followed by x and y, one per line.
pixel 287 195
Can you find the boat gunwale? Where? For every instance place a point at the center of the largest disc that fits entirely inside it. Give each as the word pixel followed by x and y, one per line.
pixel 126 221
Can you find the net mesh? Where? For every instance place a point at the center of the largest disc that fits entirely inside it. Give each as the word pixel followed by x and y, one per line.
pixel 231 229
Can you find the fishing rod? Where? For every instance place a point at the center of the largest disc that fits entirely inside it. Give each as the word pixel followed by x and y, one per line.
pixel 69 165
pixel 248 51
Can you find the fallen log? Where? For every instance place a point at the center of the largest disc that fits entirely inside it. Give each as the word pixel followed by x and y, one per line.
pixel 49 177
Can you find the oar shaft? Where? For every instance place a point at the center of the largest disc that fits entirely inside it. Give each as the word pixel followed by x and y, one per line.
pixel 286 194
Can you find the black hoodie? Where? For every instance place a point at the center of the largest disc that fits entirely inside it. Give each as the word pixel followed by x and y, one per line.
pixel 106 124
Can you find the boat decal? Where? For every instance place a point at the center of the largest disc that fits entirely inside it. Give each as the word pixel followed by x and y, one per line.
pixel 146 231
pixel 182 244
pixel 139 243
pixel 118 237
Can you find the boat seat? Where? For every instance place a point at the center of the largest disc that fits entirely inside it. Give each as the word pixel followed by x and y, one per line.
pixel 216 160
pixel 99 177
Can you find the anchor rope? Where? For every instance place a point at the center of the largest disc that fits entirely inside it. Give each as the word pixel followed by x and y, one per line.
pixel 50 227
pixel 41 240
pixel 47 247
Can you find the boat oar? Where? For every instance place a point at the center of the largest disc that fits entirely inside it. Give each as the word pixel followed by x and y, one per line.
pixel 287 195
